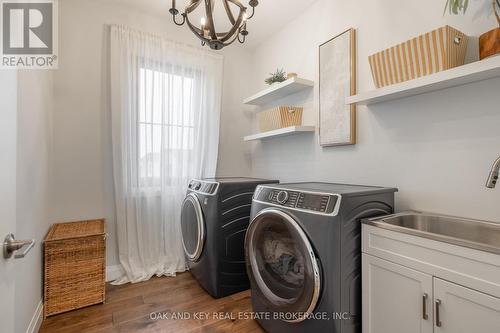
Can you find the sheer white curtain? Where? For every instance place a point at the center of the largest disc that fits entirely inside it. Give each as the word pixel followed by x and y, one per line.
pixel 165 104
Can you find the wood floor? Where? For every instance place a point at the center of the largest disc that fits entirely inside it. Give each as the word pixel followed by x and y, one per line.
pixel 129 307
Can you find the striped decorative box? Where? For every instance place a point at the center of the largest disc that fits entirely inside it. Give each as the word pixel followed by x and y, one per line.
pixel 436 51
pixel 279 117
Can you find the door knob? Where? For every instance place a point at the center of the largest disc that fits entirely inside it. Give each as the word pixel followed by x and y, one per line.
pixel 11 245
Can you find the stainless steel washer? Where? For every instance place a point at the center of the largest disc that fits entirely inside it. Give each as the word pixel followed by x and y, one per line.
pixel 303 254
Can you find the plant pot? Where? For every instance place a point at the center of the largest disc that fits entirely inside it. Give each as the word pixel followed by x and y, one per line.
pixel 489 44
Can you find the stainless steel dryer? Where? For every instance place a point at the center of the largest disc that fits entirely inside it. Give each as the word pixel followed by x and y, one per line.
pixel 215 217
pixel 303 253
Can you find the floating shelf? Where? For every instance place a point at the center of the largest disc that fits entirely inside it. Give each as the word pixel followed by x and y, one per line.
pixel 280 132
pixel 473 72
pixel 279 90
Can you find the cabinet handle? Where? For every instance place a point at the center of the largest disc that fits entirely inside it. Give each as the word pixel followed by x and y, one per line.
pixel 425 316
pixel 438 320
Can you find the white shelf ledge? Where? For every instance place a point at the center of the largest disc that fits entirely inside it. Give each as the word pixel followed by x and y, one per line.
pixel 280 132
pixel 473 72
pixel 279 90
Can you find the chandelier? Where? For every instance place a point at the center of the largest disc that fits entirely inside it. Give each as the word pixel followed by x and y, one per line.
pixel 206 31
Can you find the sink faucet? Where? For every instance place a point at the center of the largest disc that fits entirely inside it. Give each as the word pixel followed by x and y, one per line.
pixel 493 177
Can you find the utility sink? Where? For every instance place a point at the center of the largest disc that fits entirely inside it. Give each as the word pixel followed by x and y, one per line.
pixel 476 234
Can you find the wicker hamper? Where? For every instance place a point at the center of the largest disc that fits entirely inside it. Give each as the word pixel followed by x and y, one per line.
pixel 436 51
pixel 279 117
pixel 74 258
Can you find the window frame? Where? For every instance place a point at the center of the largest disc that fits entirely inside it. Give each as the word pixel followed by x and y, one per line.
pixel 150 181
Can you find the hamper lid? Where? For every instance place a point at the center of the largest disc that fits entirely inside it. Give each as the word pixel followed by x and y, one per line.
pixel 78 229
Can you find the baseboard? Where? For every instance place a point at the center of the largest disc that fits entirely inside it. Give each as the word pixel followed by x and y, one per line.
pixel 113 272
pixel 37 319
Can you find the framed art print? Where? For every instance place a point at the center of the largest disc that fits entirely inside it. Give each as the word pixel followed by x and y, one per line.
pixel 337 80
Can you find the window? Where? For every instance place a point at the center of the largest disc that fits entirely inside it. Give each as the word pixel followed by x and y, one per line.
pixel 166 125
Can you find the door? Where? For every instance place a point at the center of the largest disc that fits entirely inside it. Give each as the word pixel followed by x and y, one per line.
pixel 193 227
pixel 463 310
pixel 282 265
pixel 396 299
pixel 8 125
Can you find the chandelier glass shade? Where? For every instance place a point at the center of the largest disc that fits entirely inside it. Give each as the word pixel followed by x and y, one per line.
pixel 206 31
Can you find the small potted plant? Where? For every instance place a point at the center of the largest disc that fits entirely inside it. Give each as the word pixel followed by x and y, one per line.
pixel 489 43
pixel 278 76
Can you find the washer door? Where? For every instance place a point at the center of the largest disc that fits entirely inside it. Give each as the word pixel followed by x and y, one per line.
pixel 282 264
pixel 193 227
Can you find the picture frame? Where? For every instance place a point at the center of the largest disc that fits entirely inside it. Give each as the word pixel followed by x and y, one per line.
pixel 337 80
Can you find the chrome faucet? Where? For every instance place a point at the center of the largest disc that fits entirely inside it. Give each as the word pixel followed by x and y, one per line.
pixel 493 177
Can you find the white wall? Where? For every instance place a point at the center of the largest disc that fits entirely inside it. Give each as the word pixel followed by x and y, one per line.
pixel 436 148
pixel 8 147
pixel 234 155
pixel 34 108
pixel 83 186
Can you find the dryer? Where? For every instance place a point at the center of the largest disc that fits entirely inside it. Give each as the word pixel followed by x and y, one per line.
pixel 303 253
pixel 214 218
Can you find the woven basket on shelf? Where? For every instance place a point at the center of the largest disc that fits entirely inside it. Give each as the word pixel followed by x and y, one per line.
pixel 436 51
pixel 75 264
pixel 279 117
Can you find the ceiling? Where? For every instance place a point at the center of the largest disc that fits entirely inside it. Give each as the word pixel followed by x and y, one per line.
pixel 270 16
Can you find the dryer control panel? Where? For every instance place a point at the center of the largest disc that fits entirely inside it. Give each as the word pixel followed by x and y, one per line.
pixel 203 187
pixel 322 203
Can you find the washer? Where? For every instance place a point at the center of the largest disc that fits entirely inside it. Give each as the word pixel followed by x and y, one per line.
pixel 215 216
pixel 303 253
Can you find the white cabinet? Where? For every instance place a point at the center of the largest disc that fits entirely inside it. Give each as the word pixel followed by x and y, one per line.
pixel 463 310
pixel 416 285
pixel 396 299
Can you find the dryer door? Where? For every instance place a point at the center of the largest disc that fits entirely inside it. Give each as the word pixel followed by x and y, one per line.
pixel 193 227
pixel 282 265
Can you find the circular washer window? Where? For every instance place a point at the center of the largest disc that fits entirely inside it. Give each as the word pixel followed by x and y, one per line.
pixel 193 227
pixel 282 264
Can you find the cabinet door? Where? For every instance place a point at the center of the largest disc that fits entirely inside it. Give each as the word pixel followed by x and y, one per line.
pixel 462 310
pixel 396 299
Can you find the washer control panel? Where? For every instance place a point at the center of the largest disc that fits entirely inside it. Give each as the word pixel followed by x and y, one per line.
pixel 306 201
pixel 279 197
pixel 282 197
pixel 313 202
